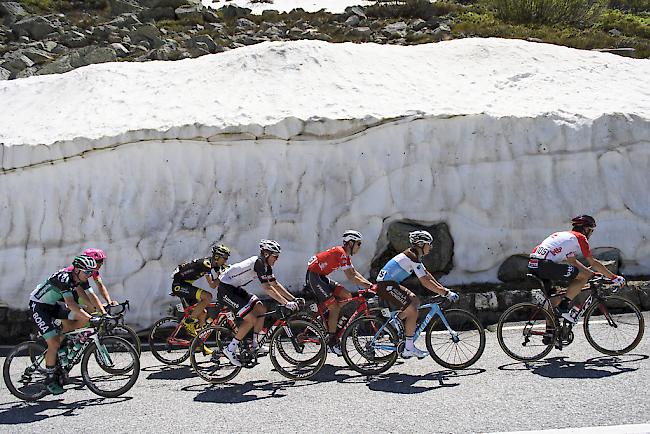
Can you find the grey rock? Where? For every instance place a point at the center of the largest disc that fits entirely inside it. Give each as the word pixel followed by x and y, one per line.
pixel 147 35
pixel 270 13
pixel 27 72
pixel 114 38
pixel 295 32
pixel 615 32
pixel 198 49
pixel 120 49
pixel 356 10
pixel 189 14
pixel 12 12
pixel 363 32
pixel 151 4
pixel 418 24
pixel 125 21
pixel 210 16
pixel 4 73
pixel 49 46
pixel 16 62
pixel 74 39
pixel 59 66
pixel 118 7
pixel 273 31
pixel 37 55
pixel 395 30
pixel 92 55
pixel 514 268
pixel 247 40
pixel 232 11
pixel 207 40
pixel 34 27
pixel 244 23
pixel 442 32
pixel 156 14
pixel 353 21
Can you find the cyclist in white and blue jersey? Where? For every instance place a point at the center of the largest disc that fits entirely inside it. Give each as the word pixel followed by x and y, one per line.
pixel 397 270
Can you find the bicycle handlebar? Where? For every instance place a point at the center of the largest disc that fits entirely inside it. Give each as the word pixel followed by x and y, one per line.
pixel 112 309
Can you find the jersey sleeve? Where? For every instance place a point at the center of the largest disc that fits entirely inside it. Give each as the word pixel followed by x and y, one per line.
pixel 584 245
pixel 64 283
pixel 419 269
pixel 264 274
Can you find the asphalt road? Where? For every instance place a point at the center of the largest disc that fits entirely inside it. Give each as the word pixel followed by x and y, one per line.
pixel 577 387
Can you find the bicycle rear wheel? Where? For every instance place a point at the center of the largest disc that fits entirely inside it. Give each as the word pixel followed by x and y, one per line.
pixel 460 348
pixel 526 332
pixel 614 325
pixel 24 371
pixel 365 349
pixel 127 333
pixel 301 348
pixel 167 344
pixel 111 368
pixel 206 355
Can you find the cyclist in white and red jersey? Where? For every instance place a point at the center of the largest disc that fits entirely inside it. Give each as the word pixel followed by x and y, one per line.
pixel 329 292
pixel 555 259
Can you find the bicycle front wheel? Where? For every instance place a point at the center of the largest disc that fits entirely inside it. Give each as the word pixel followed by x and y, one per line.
pixel 368 350
pixel 127 333
pixel 169 341
pixel 206 355
pixel 24 371
pixel 459 347
pixel 614 325
pixel 298 349
pixel 111 368
pixel 526 332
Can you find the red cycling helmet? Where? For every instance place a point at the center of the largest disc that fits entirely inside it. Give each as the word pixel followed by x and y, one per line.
pixel 584 220
pixel 96 254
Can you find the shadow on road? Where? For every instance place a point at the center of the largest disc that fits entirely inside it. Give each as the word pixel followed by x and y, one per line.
pixel 396 382
pixel 237 393
pixel 597 367
pixel 15 413
pixel 166 372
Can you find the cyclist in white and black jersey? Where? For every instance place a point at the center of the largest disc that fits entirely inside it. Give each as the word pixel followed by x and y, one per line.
pixel 247 306
pixel 555 259
pixel 44 302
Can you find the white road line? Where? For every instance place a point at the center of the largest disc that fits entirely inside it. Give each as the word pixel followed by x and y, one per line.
pixel 618 429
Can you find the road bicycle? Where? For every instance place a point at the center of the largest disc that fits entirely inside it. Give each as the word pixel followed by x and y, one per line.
pixel 612 324
pixel 120 329
pixel 170 342
pixel 110 365
pixel 455 338
pixel 297 349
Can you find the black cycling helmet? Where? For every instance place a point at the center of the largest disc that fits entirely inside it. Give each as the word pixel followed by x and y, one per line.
pixel 584 220
pixel 84 262
pixel 220 251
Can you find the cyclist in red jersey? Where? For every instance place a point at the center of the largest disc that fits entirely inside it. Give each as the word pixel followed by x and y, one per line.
pixel 555 259
pixel 329 292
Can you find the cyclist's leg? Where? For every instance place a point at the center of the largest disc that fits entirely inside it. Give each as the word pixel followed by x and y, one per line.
pixel 44 316
pixel 324 290
pixel 199 312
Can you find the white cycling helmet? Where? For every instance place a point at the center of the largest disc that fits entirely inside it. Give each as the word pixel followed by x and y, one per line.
pixel 351 235
pixel 419 238
pixel 84 262
pixel 270 246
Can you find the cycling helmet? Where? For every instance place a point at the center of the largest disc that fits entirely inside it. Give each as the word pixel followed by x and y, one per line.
pixel 96 254
pixel 351 235
pixel 584 220
pixel 270 246
pixel 220 250
pixel 84 262
pixel 418 238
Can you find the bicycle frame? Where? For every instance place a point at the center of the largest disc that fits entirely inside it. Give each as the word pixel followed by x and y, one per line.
pixel 223 313
pixel 323 312
pixel 434 309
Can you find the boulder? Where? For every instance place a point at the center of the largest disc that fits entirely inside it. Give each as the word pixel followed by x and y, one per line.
pixel 120 49
pixel 147 34
pixel 59 66
pixel 37 55
pixel 207 40
pixel 363 32
pixel 356 10
pixel 16 62
pixel 189 14
pixel 74 39
pixel 12 12
pixel 35 27
pixel 92 55
pixel 352 21
pixel 246 24
pixel 418 24
pixel 4 73
pixel 442 33
pixel 118 7
pixel 514 268
pixel 210 16
pixel 157 14
pixel 232 11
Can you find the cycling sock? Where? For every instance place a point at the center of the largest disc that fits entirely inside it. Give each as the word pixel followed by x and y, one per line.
pixel 331 338
pixel 409 342
pixel 256 337
pixel 232 346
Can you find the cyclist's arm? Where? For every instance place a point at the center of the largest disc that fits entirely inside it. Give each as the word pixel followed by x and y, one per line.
pixel 354 276
pixel 429 282
pixel 212 282
pixel 74 307
pixel 97 302
pixel 102 290
pixel 277 292
pixel 598 266
pixel 583 268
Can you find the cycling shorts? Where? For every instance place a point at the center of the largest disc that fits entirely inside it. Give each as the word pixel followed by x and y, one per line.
pixel 325 290
pixel 549 270
pixel 396 295
pixel 237 299
pixel 44 315
pixel 187 292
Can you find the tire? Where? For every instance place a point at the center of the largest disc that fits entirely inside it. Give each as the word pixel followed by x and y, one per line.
pixel 124 362
pixel 461 350
pixel 622 329
pixel 519 334
pixel 169 353
pixel 301 348
pixel 126 332
pixel 23 371
pixel 358 351
pixel 214 368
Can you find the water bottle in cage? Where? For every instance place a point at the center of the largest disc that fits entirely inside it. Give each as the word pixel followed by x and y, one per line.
pixel 341 322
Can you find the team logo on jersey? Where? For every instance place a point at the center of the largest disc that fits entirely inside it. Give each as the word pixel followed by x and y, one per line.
pixel 569 271
pixel 418 267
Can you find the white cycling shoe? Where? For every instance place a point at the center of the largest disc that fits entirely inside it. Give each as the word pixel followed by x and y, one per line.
pixel 262 350
pixel 231 356
pixel 414 352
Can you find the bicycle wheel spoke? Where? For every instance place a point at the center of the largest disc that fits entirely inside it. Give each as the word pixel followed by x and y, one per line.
pixel 526 332
pixel 615 326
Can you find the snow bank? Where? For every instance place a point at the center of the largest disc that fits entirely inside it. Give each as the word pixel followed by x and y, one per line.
pixel 503 140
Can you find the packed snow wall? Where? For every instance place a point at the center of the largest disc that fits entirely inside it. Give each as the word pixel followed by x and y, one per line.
pixel 133 158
